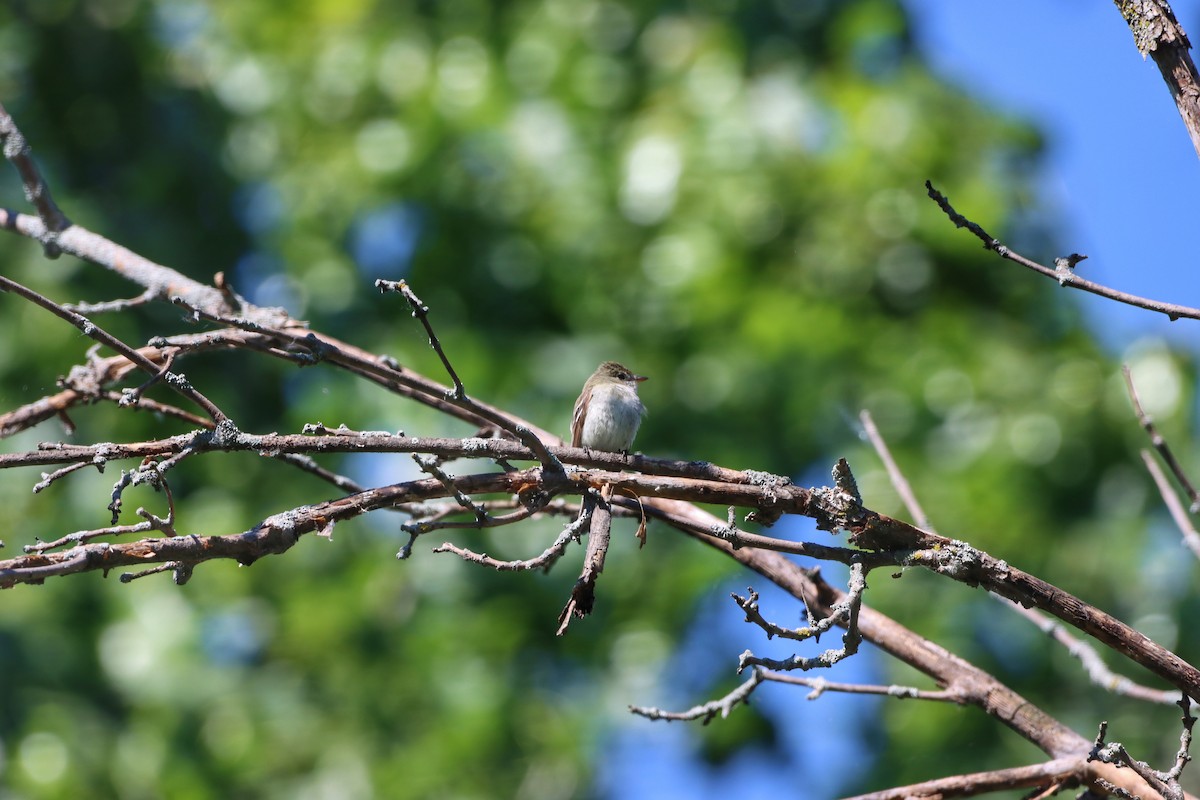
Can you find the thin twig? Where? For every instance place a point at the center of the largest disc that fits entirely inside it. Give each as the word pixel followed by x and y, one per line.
pixel 483 519
pixel 458 395
pixel 182 572
pixel 1183 755
pixel 17 150
pixel 79 537
pixel 706 712
pixel 428 465
pixel 1097 671
pixel 1115 753
pixel 49 478
pixel 1064 275
pixel 1157 440
pixel 149 472
pixel 821 685
pixel 749 606
pixel 111 306
pixel 1183 520
pixel 543 562
pixel 1051 777
pixel 152 523
pixel 421 312
pixel 907 496
pixel 132 396
pixel 94 331
pixel 845 613
pixel 155 407
pixel 422 525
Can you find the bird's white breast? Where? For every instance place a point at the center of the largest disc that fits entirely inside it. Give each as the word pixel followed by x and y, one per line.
pixel 613 417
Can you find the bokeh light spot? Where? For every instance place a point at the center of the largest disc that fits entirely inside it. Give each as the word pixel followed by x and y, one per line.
pixel 462 73
pixel 43 756
pixel 1157 379
pixel 652 170
pixel 403 68
pixel 246 86
pixel 384 239
pixel 1035 438
pixel 383 146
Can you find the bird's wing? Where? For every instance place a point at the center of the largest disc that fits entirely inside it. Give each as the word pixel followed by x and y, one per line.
pixel 577 422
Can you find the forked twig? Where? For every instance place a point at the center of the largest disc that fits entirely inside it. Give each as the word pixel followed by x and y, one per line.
pixel 707 712
pixel 91 329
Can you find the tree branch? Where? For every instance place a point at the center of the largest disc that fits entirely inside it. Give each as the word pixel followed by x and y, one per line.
pixel 1063 272
pixel 37 192
pixel 1158 34
pixel 156 371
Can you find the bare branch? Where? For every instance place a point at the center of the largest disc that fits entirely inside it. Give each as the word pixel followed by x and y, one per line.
pixel 111 306
pixel 459 395
pixel 37 192
pixel 1158 34
pixel 180 572
pixel 1116 754
pixel 820 685
pixel 903 488
pixel 176 381
pixel 749 606
pixel 708 711
pixel 1098 672
pixel 1157 440
pixel 844 612
pixel 1057 775
pixel 421 312
pixel 1064 275
pixel 272 536
pixel 583 593
pixel 275 444
pixel 163 282
pixel 1178 513
pixel 422 525
pixel 155 407
pixel 543 562
pixel 49 478
pixel 428 465
pixel 894 541
pixel 1183 755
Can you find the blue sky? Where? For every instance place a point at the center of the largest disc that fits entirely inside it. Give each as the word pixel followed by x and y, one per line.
pixel 1120 169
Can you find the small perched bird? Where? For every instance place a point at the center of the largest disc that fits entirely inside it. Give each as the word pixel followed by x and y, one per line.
pixel 607 416
pixel 608 411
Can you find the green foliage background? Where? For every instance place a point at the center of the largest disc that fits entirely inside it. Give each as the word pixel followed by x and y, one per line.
pixel 728 197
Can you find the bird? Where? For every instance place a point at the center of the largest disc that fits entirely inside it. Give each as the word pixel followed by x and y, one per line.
pixel 607 416
pixel 608 412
